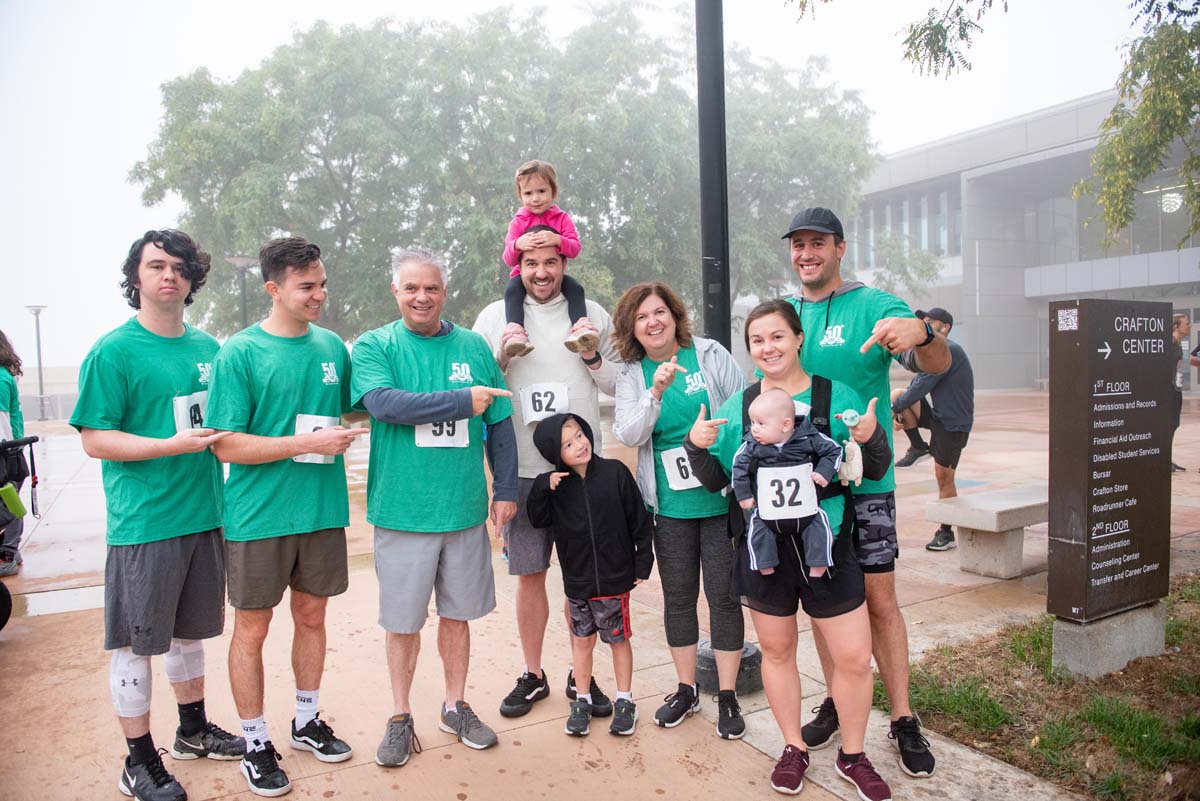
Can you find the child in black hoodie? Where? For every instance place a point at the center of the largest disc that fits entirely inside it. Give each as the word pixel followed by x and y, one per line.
pixel 602 533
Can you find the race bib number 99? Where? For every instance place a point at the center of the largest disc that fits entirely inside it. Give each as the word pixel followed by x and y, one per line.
pixel 307 423
pixel 539 401
pixel 786 492
pixel 679 470
pixel 443 434
pixel 189 410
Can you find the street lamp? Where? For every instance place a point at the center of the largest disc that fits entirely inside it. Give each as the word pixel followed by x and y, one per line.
pixel 36 311
pixel 242 264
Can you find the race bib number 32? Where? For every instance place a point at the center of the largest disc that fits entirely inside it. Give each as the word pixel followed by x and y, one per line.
pixel 443 434
pixel 786 492
pixel 679 470
pixel 539 401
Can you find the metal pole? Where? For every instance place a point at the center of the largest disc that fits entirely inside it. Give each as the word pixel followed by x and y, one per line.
pixel 37 329
pixel 714 191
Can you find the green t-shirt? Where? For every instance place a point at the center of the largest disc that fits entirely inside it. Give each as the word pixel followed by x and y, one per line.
pixel 11 421
pixel 261 385
pixel 419 478
pixel 729 436
pixel 140 383
pixel 680 405
pixel 834 330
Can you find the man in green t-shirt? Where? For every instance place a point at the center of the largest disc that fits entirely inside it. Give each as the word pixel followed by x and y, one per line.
pixel 431 387
pixel 852 334
pixel 281 387
pixel 142 393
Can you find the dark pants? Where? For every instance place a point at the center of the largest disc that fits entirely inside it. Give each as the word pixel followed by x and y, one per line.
pixel 514 300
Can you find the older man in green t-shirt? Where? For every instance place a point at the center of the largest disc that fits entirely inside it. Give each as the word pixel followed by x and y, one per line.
pixel 142 394
pixel 431 388
pixel 852 334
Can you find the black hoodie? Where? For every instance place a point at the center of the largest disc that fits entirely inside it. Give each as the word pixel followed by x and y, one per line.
pixel 601 528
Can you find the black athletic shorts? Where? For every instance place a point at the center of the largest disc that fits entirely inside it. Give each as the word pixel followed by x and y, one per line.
pixel 944 446
pixel 782 593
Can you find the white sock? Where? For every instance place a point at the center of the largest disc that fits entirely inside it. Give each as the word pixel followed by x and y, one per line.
pixel 584 697
pixel 306 706
pixel 625 696
pixel 255 732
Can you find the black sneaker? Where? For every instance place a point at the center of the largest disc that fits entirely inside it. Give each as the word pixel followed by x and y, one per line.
pixel 601 704
pixel 150 781
pixel 529 688
pixel 730 725
pixel 915 757
pixel 316 736
pixel 261 768
pixel 912 456
pixel 819 731
pixel 212 741
pixel 624 718
pixel 679 704
pixel 1177 469
pixel 581 716
pixel 943 540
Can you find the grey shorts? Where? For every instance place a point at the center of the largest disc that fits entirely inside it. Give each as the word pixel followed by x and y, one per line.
pixel 608 616
pixel 527 549
pixel 455 567
pixel 260 570
pixel 159 591
pixel 875 541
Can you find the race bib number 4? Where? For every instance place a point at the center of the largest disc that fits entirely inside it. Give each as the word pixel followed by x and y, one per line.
pixel 443 434
pixel 679 470
pixel 306 423
pixel 539 401
pixel 786 492
pixel 189 410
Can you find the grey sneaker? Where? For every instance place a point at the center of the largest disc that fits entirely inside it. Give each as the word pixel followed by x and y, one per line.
pixel 943 540
pixel 581 717
pixel 624 717
pixel 399 742
pixel 10 562
pixel 466 725
pixel 212 741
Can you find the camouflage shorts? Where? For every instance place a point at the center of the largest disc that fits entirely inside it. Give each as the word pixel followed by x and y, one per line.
pixel 875 541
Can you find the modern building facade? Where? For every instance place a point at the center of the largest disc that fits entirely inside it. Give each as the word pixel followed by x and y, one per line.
pixel 996 206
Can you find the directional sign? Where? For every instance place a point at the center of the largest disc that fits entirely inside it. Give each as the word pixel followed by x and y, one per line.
pixel 1110 445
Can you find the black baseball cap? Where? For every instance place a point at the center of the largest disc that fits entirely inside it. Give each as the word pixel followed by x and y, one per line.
pixel 816 219
pixel 936 313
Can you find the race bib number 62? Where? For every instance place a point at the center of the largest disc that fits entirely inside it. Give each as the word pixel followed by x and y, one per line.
pixel 539 401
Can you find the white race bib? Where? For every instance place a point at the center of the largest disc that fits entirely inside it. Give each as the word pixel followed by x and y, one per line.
pixel 443 434
pixel 786 492
pixel 189 410
pixel 539 401
pixel 307 423
pixel 679 470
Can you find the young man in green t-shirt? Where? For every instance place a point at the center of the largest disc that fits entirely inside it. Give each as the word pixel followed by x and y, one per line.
pixel 281 388
pixel 142 394
pixel 431 387
pixel 853 333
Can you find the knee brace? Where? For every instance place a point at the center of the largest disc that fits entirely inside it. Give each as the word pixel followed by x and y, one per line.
pixel 184 661
pixel 129 678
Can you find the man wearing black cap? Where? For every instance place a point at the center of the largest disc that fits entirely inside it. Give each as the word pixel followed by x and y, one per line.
pixel 852 334
pixel 948 414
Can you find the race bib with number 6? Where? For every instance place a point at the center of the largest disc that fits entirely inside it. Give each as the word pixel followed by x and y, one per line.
pixel 539 401
pixel 307 423
pixel 679 470
pixel 443 434
pixel 786 492
pixel 189 410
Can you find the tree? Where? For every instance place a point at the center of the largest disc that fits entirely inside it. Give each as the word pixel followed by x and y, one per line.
pixel 1157 112
pixel 902 266
pixel 368 139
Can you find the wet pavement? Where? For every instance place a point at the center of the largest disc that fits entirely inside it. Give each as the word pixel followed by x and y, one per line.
pixel 67 744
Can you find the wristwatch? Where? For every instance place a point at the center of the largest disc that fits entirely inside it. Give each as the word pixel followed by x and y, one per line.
pixel 929 335
pixel 596 359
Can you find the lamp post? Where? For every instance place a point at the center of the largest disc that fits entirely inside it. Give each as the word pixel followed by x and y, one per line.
pixel 714 190
pixel 36 311
pixel 242 264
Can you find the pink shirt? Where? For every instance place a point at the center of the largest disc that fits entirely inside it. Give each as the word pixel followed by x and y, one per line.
pixel 525 219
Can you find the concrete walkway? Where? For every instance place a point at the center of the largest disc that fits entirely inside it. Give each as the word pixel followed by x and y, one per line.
pixel 65 744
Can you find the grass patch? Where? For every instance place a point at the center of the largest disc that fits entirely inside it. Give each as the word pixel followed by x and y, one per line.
pixel 964 697
pixel 1186 684
pixel 1053 744
pixel 1112 785
pixel 1142 737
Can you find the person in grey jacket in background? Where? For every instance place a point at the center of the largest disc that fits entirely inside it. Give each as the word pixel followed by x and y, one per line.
pixel 669 379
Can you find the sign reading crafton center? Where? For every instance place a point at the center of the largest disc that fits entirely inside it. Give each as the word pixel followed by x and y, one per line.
pixel 1110 445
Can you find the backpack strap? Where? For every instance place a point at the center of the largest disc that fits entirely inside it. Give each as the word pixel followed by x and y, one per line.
pixel 822 399
pixel 751 392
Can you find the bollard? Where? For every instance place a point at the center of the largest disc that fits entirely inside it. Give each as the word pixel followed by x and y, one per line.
pixel 749 678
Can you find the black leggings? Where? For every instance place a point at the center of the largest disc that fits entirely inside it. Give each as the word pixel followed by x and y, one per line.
pixel 681 548
pixel 514 300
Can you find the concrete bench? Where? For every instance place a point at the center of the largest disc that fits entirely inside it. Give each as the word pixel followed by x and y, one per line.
pixel 991 526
